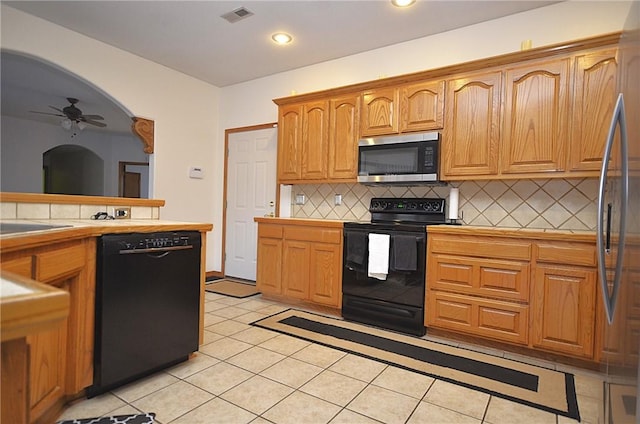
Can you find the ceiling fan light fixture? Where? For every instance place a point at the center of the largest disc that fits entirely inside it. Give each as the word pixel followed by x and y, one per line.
pixel 66 124
pixel 402 3
pixel 281 38
pixel 81 125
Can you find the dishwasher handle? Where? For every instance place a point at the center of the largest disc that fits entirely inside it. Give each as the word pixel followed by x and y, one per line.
pixel 167 249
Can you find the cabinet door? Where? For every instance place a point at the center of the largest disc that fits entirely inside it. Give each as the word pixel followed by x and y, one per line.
pixel 563 302
pixel 269 272
pixel 289 142
pixel 593 103
pixel 535 118
pixel 315 136
pixel 47 367
pixel 343 137
pixel 325 280
pixel 422 106
pixel 295 269
pixel 380 112
pixel 472 125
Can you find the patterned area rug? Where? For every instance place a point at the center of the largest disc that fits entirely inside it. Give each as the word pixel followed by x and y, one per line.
pixel 232 288
pixel 147 418
pixel 538 387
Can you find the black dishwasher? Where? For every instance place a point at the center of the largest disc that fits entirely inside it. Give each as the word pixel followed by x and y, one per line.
pixel 147 305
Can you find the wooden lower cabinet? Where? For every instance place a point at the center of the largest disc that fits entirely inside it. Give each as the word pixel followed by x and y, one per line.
pixel 296 265
pixel 564 301
pixel 528 291
pixel 60 361
pixel 269 270
pixel 505 321
pixel 325 273
pixel 301 262
pixel 479 286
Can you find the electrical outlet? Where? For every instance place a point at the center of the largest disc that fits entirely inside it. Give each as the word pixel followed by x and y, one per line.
pixel 122 213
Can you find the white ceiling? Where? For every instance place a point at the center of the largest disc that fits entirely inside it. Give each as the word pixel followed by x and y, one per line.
pixel 193 38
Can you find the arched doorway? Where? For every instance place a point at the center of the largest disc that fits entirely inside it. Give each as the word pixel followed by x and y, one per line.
pixel 34 94
pixel 72 169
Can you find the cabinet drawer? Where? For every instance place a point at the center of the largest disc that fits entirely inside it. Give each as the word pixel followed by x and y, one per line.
pixel 489 247
pixel 481 277
pixel 567 253
pixel 270 231
pixel 56 263
pixel 322 235
pixel 21 266
pixel 494 319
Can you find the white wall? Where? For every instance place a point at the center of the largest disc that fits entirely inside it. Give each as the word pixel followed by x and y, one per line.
pixel 184 136
pixel 194 136
pixel 23 142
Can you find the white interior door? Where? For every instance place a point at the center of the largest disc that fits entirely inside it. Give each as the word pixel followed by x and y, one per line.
pixel 251 192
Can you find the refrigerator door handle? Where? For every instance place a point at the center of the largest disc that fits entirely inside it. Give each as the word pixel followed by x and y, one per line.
pixel 610 300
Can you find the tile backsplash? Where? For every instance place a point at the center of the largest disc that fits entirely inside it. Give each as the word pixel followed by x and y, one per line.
pixel 541 204
pixel 17 210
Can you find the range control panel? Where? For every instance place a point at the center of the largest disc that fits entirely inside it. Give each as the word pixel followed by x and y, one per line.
pixel 415 210
pixel 407 205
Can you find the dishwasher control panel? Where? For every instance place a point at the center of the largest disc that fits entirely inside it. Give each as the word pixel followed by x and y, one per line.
pixel 157 242
pixel 143 242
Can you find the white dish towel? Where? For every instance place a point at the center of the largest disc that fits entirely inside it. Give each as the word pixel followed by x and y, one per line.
pixel 378 256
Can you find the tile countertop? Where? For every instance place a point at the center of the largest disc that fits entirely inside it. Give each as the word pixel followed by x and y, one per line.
pixel 550 234
pixel 533 233
pixel 82 228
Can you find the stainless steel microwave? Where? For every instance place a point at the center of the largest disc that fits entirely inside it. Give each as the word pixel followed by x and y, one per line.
pixel 403 159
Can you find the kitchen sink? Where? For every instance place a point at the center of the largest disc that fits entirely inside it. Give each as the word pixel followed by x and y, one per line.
pixel 16 227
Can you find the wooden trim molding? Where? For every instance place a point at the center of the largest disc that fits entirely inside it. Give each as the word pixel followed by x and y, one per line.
pixel 144 129
pixel 77 199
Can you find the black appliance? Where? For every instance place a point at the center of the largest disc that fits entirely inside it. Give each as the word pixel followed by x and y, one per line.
pixel 147 305
pixel 407 159
pixel 397 233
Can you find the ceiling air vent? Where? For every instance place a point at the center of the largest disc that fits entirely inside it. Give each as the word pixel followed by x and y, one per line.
pixel 237 14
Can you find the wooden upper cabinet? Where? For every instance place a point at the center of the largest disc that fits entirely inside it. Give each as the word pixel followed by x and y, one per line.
pixel 315 129
pixel 536 106
pixel 471 133
pixel 289 142
pixel 594 96
pixel 380 112
pixel 422 106
pixel 630 83
pixel 344 120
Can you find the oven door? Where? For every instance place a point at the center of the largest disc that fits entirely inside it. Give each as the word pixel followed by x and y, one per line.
pixel 395 302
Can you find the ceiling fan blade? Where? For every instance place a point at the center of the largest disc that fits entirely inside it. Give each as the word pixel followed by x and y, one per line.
pixel 94 117
pixel 47 113
pixel 56 109
pixel 97 124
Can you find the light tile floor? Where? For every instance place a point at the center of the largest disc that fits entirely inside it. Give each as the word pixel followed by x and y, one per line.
pixel 244 374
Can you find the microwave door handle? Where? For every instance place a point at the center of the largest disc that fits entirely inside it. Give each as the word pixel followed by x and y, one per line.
pixel 610 300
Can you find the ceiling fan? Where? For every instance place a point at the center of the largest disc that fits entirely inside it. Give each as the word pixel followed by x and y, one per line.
pixel 73 114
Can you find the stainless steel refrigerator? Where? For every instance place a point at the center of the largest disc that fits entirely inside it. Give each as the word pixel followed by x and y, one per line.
pixel 619 237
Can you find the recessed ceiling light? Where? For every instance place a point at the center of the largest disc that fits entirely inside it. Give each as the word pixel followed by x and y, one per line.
pixel 402 3
pixel 281 38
